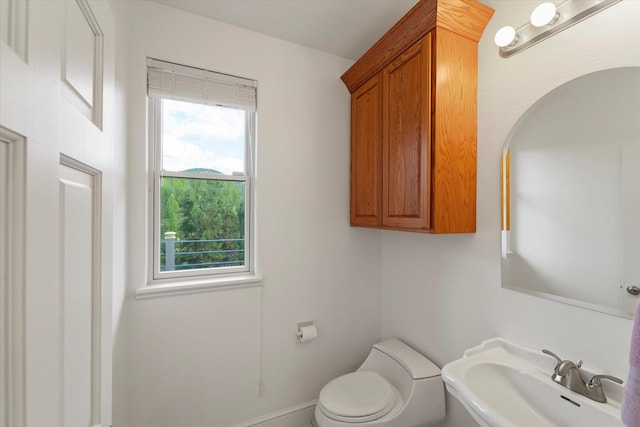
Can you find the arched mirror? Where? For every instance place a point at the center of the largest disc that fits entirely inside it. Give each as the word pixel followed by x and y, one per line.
pixel 571 194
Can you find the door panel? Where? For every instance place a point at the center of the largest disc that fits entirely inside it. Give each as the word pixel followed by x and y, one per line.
pixel 79 298
pixel 61 226
pixel 12 376
pixel 4 284
pixel 366 154
pixel 406 138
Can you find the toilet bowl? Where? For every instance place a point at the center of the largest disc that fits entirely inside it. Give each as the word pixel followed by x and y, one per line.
pixel 394 387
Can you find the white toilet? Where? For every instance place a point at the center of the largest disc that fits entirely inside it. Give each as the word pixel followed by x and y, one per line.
pixel 395 387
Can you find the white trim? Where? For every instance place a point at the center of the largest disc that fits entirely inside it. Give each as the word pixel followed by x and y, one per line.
pixel 96 287
pixel 16 32
pixel 204 175
pixel 12 285
pixel 154 121
pixel 212 278
pixel 294 416
pixel 93 110
pixel 190 287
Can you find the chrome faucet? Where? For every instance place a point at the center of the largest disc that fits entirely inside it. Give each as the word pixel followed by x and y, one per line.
pixel 568 374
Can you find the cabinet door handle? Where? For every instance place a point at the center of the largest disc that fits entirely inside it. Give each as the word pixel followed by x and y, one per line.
pixel 633 290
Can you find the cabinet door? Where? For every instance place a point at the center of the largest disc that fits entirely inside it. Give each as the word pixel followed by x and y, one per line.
pixel 406 138
pixel 366 154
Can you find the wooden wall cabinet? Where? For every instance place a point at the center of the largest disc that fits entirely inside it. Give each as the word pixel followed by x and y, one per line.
pixel 413 121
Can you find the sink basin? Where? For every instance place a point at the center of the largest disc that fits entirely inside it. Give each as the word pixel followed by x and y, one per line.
pixel 503 384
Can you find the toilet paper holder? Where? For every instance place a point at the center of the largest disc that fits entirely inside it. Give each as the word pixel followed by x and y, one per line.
pixel 307 331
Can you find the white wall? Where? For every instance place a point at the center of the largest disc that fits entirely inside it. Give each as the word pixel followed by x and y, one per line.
pixel 193 360
pixel 442 294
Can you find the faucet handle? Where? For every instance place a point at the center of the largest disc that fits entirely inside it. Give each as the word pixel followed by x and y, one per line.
pixel 578 363
pixel 595 390
pixel 552 354
pixel 595 381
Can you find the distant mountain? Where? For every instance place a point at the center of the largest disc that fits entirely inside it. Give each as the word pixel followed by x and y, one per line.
pixel 201 170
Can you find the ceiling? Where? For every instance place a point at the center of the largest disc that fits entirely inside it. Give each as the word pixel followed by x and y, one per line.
pixel 346 28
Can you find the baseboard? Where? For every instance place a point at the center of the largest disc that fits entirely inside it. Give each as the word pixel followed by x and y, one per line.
pixel 295 416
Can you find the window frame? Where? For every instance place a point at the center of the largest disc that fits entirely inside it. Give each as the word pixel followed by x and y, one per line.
pixel 156 174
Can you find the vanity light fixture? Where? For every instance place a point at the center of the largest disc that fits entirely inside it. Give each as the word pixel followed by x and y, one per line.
pixel 506 36
pixel 544 14
pixel 547 19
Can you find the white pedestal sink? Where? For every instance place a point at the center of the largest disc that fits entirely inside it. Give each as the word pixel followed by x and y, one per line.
pixel 503 384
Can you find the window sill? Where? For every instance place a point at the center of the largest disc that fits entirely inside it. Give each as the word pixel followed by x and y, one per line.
pixel 195 286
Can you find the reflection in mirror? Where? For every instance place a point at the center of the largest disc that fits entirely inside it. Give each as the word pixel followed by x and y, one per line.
pixel 571 194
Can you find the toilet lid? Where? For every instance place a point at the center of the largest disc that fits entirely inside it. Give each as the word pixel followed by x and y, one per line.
pixel 363 395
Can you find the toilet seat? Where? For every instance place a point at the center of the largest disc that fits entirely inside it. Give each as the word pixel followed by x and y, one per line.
pixel 357 397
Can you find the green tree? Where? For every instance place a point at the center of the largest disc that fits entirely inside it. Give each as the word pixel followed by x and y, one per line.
pixel 208 212
pixel 170 218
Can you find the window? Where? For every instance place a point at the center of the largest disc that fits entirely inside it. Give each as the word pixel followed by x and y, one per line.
pixel 202 133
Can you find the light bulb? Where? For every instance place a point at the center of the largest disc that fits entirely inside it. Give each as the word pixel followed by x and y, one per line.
pixel 505 36
pixel 544 14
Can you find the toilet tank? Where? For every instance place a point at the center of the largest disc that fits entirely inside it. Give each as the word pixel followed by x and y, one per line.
pixel 416 377
pixel 416 365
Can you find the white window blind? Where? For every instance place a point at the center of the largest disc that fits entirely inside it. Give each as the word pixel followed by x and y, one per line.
pixel 182 83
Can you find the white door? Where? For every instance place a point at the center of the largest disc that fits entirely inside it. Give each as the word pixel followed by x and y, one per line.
pixel 630 225
pixel 12 332
pixel 80 294
pixel 57 138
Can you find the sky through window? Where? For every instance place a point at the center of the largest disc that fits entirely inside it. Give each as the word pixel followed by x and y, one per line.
pixel 203 137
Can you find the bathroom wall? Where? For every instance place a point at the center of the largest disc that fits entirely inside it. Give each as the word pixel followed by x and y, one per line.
pixel 442 294
pixel 195 360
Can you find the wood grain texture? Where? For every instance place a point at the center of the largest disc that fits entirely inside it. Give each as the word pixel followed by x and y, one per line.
pixel 455 123
pixel 414 25
pixel 424 71
pixel 366 153
pixel 406 112
pixel 465 17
